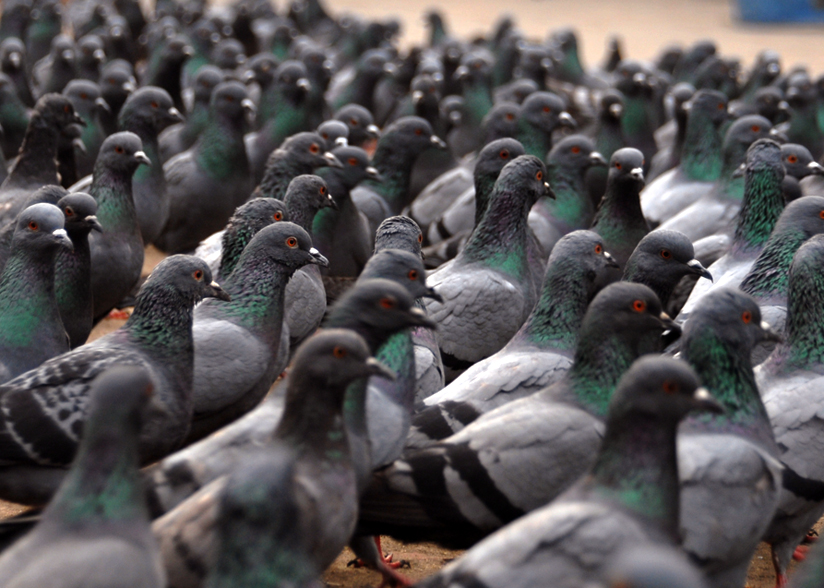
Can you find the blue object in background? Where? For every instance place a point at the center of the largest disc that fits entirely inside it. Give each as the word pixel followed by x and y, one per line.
pixel 781 10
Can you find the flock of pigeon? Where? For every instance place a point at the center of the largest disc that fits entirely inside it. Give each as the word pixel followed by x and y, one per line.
pixel 443 314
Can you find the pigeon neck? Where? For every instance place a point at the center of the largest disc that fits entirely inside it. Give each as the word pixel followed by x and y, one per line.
pixel 769 275
pixel 572 205
pixel 72 271
pixel 637 468
pixel 556 318
pixel 619 219
pixel 763 203
pixel 235 239
pixel 805 316
pixel 115 205
pixel 570 66
pixel 220 151
pixel 398 354
pixel 635 121
pixel 196 121
pixel 148 136
pixel 536 140
pixel 729 186
pixel 804 126
pixel 279 173
pixel 499 241
pixel 725 369
pixel 662 283
pixel 484 185
pixel 363 89
pixel 28 305
pixel 701 159
pixel 394 161
pixel 38 153
pixel 302 211
pixel 162 322
pixel 477 95
pixel 289 118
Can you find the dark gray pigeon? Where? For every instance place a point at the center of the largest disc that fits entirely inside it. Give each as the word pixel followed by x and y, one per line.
pixel 537 356
pixel 324 477
pixel 237 343
pixel 31 331
pixel 54 71
pixel 44 409
pixel 629 496
pixel 95 532
pixel 300 154
pixel 362 127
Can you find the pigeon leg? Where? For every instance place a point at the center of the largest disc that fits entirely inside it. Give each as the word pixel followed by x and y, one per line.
pixel 369 554
pixel 780 577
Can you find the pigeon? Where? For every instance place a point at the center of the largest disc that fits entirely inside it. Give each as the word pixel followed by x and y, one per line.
pixel 629 496
pixel 236 343
pixel 572 209
pixel 361 125
pixel 116 84
pixel 636 82
pixel 789 381
pixel 300 154
pixel 324 477
pixel 660 260
pixel 89 105
pixel 13 64
pixel 90 56
pixel 803 127
pixel 488 291
pixel 305 293
pixel 475 77
pixel 217 165
pixel 669 155
pixel 31 331
pixel 261 69
pixel 619 219
pixel 608 138
pixel 53 72
pixel 461 488
pixel 165 66
pixel 762 205
pixel 540 115
pixel 398 148
pixel 117 251
pixel 36 164
pixel 259 527
pixel 728 463
pixel 43 409
pixel 180 137
pixel 537 356
pixel 14 117
pixel 72 268
pixel 95 532
pixel 50 194
pixel 44 26
pixel 335 133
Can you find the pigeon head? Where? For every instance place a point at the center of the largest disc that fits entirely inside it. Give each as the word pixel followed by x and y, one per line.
pixel 360 122
pixel 803 217
pixel 769 103
pixel 306 195
pixel 626 168
pixel 372 64
pixel 518 90
pixel 206 80
pixel 475 68
pixel 575 152
pixel 228 54
pixel 451 111
pixel 62 50
pixel 798 162
pixel 494 156
pixel 526 172
pixel 534 63
pixel 356 166
pixel 40 227
pixel 57 111
pixel 586 249
pixel 285 242
pixel 317 63
pixel 182 277
pixel 12 54
pixel 149 106
pixel 261 69
pixel 308 150
pixel 661 259
pixel 79 210
pixel 743 133
pixel 335 133
pixel 176 50
pixel 399 232
pixel 291 80
pixel 122 152
pixel 612 104
pixel 117 81
pixel 377 309
pixel 230 100
pixel 500 121
pixel 545 111
pixel 248 219
pixel 403 268
pixel 86 98
pixel 711 104
pixel 90 52
pixel 425 93
pixel 411 135
pixel 50 193
pixel 680 94
pixel 632 78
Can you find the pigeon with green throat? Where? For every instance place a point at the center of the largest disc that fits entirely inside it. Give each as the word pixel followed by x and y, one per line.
pixel 14 117
pixel 89 104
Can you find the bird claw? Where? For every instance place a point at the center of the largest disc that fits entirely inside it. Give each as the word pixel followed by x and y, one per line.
pixel 781 581
pixel 356 563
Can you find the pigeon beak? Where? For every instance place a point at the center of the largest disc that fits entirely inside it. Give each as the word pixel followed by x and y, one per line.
pixel 317 259
pixel 248 77
pixel 699 269
pixel 15 59
pixel 705 402
pixel 215 291
pixel 739 171
pixel 141 157
pixel 188 51
pixel 78 144
pixel 778 136
pixel 304 84
pixel 174 114
pixel 373 131
pixel 102 105
pixel 95 224
pixel 129 86
pixel 376 368
pixel 548 191
pixel 62 238
pixel 248 106
pixel 639 78
pixel 616 110
pixel 78 120
pixel 417 97
pixel 330 203
pixel 67 55
pixel 566 120
pixel 671 330
pixel 373 174
pixel 461 73
pixel 99 55
pixel 773 69
pixel 430 293
pixel 437 142
pixel 611 261
pixel 596 159
pixel 783 106
pixel 768 334
pixel 815 168
pixel 455 117
pixel 419 318
pixel 332 160
pixel 341 142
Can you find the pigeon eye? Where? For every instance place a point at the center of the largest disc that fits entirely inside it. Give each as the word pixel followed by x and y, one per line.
pixel 198 275
pixel 314 148
pixel 278 216
pixel 504 154
pixel 83 96
pixel 510 116
pixel 68 211
pixel 539 176
pixel 339 352
pixel 353 122
pixel 547 109
pixel 720 106
pixel 412 275
pixel 639 306
pixel 670 387
pixel 34 226
pixel 322 190
pixel 419 131
pixel 576 149
pixel 353 161
pixel 746 317
pixel 67 109
pixel 154 104
pixel 666 253
pixel 755 128
pixel 325 136
pixel 792 159
pixel 420 237
pixel 112 81
pixel 230 98
pixel 598 249
pixel 617 165
pixel 388 303
pixel 291 242
pixel 119 150
pixel 821 214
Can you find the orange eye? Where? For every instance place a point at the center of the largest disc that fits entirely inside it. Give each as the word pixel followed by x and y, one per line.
pixel 230 98
pixel 670 387
pixel 198 275
pixel 746 317
pixel 666 254
pixel 388 303
pixel 598 249
pixel 504 154
pixel 119 149
pixel 353 122
pixel 339 352
pixel 83 95
pixel 34 226
pixel 325 136
pixel 419 131
pixel 278 216
pixel 322 190
pixel 291 242
pixel 154 104
pixel 413 275
pixel 539 176
pixel 576 149
pixel 639 306
pixel 792 159
pixel 314 148
pixel 617 165
pixel 755 128
pixel 353 161
pixel 720 106
pixel 821 214
pixel 510 116
pixel 547 109
pixel 420 237
pixel 68 211
pixel 67 109
pixel 112 81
